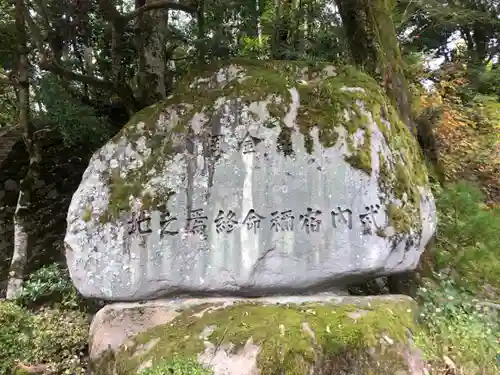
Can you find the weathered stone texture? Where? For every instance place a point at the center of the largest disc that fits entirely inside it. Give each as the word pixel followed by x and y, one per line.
pixel 251 183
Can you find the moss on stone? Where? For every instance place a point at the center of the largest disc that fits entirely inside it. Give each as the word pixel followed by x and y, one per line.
pixel 20 371
pixel 380 232
pixel 399 219
pixel 279 331
pixel 87 214
pixel 331 103
pixel 123 190
pixel 361 157
pixel 406 172
pixel 346 100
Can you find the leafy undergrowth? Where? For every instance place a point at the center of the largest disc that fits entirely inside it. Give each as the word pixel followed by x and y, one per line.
pixel 50 339
pixel 49 284
pixel 44 331
pixel 461 302
pixel 460 308
pixel 177 366
pixel 460 330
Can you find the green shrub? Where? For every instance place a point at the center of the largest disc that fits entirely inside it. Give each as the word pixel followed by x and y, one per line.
pixel 177 366
pixel 467 251
pixel 61 336
pixel 456 325
pixel 16 326
pixel 49 284
pixel 53 337
pixel 468 236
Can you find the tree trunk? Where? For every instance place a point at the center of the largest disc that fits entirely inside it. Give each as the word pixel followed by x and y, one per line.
pixel 426 137
pixel 200 19
pixel 299 32
pixel 258 12
pixel 21 215
pixel 374 47
pixel 309 22
pixel 20 253
pixel 153 80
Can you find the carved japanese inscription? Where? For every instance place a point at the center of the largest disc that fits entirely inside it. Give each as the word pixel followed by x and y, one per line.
pixel 311 220
pixel 215 145
pixel 225 220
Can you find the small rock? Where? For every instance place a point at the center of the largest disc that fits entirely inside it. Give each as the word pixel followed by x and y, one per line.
pixel 449 363
pixel 357 314
pixel 307 329
pixel 388 340
pixel 52 194
pixel 10 185
pixel 282 330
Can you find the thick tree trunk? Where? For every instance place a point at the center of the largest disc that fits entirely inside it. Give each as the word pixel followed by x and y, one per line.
pixel 374 47
pixel 154 79
pixel 21 215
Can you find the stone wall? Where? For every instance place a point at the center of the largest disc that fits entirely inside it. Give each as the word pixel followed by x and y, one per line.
pixel 60 174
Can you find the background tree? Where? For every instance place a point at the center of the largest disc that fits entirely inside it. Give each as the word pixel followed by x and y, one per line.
pixel 373 44
pixel 21 215
pixel 7 60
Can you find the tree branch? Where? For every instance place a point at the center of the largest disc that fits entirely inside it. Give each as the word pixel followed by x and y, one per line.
pixel 115 111
pixel 159 4
pixel 123 91
pixel 56 68
pixel 111 14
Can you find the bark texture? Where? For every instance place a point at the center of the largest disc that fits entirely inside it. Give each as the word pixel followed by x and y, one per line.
pixel 153 80
pixel 21 215
pixel 374 47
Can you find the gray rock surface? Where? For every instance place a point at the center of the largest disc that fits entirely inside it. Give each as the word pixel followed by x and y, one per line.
pixel 134 336
pixel 221 194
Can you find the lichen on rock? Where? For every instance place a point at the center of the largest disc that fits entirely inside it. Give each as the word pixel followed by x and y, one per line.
pixel 323 137
pixel 330 98
pixel 294 336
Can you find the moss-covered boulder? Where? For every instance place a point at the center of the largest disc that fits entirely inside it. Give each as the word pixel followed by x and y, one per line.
pixel 254 178
pixel 292 336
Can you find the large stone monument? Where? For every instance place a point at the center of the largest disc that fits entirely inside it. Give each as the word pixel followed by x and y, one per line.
pixel 254 179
